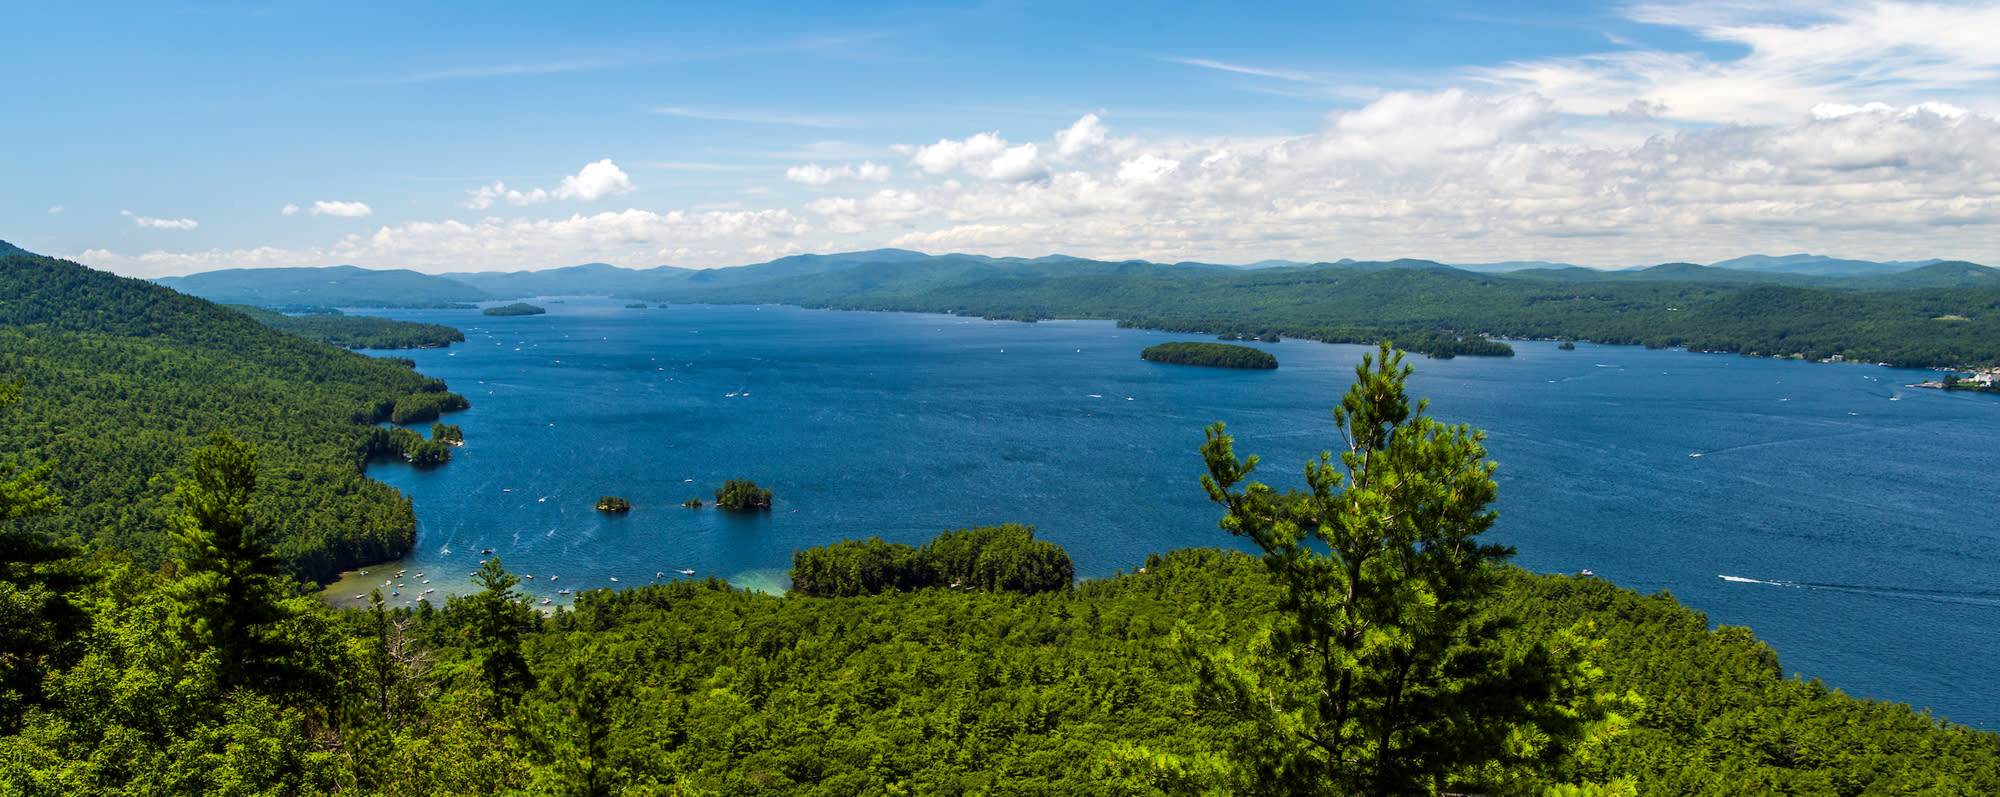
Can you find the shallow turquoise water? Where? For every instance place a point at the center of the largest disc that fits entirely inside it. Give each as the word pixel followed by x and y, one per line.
pixel 1851 505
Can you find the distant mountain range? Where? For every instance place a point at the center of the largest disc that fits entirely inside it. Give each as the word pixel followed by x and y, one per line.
pixel 896 271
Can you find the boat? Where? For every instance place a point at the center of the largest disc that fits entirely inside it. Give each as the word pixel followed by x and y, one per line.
pixel 614 579
pixel 687 571
pixel 564 591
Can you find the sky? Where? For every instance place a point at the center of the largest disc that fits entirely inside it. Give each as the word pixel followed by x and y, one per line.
pixel 153 139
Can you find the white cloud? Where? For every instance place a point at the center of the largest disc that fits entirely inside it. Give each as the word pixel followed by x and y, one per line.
pixel 1793 56
pixel 985 155
pixel 289 209
pixel 595 181
pixel 57 209
pixel 1455 175
pixel 815 174
pixel 343 209
pixel 160 224
pixel 1088 132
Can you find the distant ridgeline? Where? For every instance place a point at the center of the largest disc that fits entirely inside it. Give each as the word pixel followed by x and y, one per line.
pixel 1936 314
pixel 122 378
pixel 356 331
pixel 1213 355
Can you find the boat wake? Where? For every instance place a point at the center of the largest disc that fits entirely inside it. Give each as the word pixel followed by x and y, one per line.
pixel 1964 597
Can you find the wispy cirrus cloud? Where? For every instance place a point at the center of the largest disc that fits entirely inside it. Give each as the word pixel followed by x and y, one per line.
pixel 517 69
pixel 1278 73
pixel 755 117
pixel 1792 56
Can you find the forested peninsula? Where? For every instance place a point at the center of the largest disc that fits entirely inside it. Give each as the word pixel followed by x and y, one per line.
pixel 335 328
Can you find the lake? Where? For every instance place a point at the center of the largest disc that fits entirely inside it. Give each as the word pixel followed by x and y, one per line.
pixel 1847 509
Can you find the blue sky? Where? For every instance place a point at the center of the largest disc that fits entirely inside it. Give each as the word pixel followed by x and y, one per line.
pixel 152 139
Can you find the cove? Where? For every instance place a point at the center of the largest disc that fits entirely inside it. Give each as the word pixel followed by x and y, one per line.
pixel 1846 509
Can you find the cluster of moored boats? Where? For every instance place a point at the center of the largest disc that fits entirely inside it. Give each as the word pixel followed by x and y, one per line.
pixel 398 583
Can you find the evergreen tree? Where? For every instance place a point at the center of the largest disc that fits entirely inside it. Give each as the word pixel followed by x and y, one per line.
pixel 232 593
pixel 37 619
pixel 1387 676
pixel 498 620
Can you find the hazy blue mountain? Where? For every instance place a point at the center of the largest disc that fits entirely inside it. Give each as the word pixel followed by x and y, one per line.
pixel 346 286
pixel 1949 274
pixel 9 250
pixel 883 272
pixel 902 277
pixel 589 278
pixel 1506 266
pixel 1819 265
pixel 1690 272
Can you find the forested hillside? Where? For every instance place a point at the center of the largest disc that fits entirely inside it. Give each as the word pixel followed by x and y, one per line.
pixel 1435 309
pixel 335 328
pixel 333 286
pixel 122 378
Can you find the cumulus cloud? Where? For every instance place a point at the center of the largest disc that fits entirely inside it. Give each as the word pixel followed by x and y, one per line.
pixel 815 174
pixel 57 209
pixel 595 181
pixel 1089 132
pixel 343 209
pixel 160 224
pixel 289 209
pixel 986 155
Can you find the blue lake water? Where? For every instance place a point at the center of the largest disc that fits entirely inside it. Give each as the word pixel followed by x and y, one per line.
pixel 1851 508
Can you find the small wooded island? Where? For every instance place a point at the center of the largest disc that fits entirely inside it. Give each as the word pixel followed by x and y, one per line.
pixel 612 503
pixel 742 494
pixel 1213 355
pixel 517 308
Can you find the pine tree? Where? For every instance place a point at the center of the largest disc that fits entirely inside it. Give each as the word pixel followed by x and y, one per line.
pixel 38 622
pixel 498 619
pixel 1384 673
pixel 232 591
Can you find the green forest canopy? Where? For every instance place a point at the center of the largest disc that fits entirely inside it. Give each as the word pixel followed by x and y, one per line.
pixel 121 378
